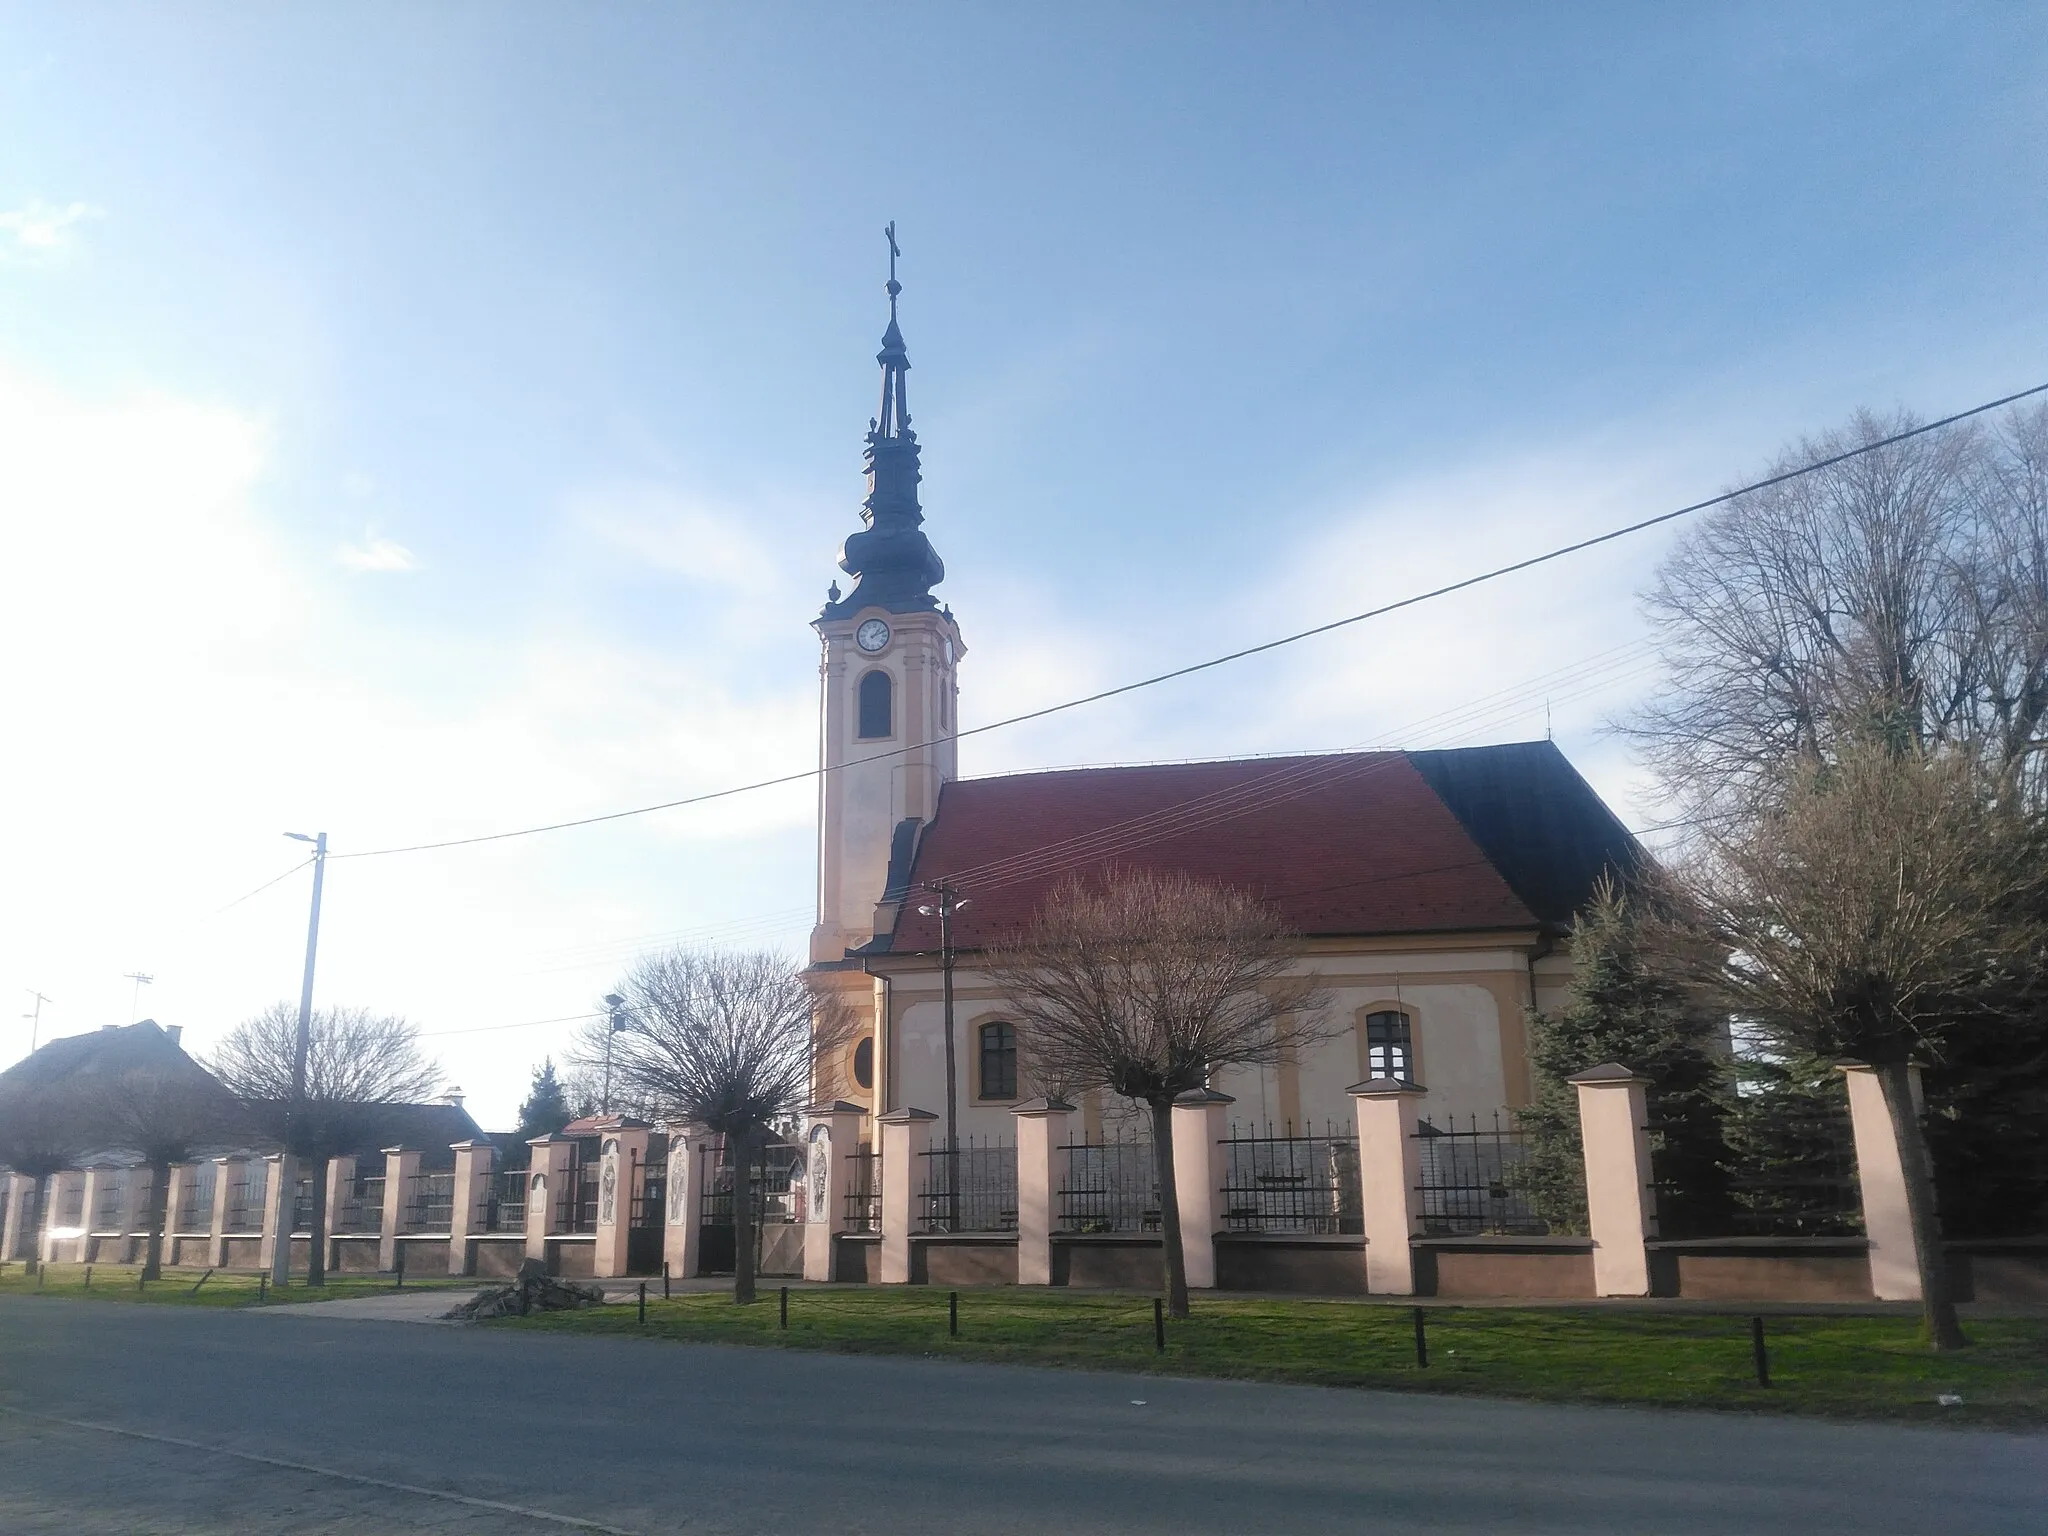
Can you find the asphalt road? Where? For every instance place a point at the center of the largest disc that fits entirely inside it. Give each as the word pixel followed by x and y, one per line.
pixel 346 1425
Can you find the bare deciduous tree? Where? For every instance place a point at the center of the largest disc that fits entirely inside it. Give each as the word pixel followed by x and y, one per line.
pixel 42 1131
pixel 1859 915
pixel 724 1040
pixel 1145 985
pixel 164 1114
pixel 359 1063
pixel 1903 592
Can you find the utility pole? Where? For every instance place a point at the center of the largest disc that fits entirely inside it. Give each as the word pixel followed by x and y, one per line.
pixel 135 993
pixel 286 1197
pixel 615 1007
pixel 949 901
pixel 35 1026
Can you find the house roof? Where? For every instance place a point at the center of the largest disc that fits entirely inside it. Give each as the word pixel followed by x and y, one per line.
pixel 61 1075
pixel 1344 844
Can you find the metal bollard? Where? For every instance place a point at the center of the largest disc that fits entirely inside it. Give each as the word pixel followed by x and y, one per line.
pixel 664 1280
pixel 262 1287
pixel 1159 1324
pixel 398 1263
pixel 643 1303
pixel 88 1277
pixel 785 1307
pixel 953 1314
pixel 199 1282
pixel 1421 1341
pixel 1757 1350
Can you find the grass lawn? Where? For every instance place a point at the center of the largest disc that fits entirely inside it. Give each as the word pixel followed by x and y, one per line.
pixel 1850 1367
pixel 117 1282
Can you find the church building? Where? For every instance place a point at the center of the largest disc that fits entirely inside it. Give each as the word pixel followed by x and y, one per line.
pixel 1433 890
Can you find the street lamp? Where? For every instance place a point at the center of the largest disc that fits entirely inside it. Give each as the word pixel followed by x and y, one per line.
pixel 287 1165
pixel 947 903
pixel 615 1006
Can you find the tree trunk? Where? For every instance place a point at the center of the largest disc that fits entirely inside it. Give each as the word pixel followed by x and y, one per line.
pixel 1937 1302
pixel 316 1248
pixel 1170 1250
pixel 740 1150
pixel 156 1217
pixel 34 1256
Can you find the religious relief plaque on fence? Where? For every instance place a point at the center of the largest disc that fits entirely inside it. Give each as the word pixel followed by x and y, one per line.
pixel 537 1202
pixel 820 1177
pixel 608 1188
pixel 682 1170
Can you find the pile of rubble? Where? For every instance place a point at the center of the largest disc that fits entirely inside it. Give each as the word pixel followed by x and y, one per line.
pixel 532 1291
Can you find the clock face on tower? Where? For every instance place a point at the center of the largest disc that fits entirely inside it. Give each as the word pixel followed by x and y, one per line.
pixel 872 636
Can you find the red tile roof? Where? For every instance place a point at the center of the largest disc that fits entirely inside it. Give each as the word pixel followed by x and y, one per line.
pixel 1352 843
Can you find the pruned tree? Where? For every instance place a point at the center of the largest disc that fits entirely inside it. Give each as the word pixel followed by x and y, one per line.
pixel 724 1040
pixel 162 1114
pixel 358 1064
pixel 1862 914
pixel 1903 593
pixel 1146 985
pixel 42 1131
pixel 1624 1005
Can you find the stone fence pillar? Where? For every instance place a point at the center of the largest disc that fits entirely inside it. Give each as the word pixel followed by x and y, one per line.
pixel 1201 1167
pixel 474 1163
pixel 1041 1132
pixel 682 1246
pixel 401 1166
pixel 906 1137
pixel 621 1153
pixel 1881 1177
pixel 1621 1196
pixel 12 1214
pixel 545 1175
pixel 1389 1181
pixel 831 1137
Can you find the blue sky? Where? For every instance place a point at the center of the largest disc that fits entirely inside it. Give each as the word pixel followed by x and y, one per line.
pixel 421 420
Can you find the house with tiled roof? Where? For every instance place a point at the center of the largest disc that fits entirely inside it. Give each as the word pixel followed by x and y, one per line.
pixel 1431 890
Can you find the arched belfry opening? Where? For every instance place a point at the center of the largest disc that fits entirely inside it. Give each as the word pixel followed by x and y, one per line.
pixel 877 706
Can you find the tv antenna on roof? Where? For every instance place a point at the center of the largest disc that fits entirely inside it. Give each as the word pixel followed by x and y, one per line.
pixel 135 999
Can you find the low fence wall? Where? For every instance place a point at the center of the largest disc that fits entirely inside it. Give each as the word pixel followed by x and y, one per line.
pixel 1761 1268
pixel 1110 1260
pixel 964 1258
pixel 1531 1268
pixel 1308 1265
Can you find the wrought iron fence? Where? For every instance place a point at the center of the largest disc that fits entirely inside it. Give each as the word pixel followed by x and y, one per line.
pixel 504 1205
pixel 1470 1182
pixel 1110 1185
pixel 971 1187
pixel 576 1207
pixel 195 1199
pixel 430 1206
pixel 302 1206
pixel 1292 1183
pixel 650 1194
pixel 776 1176
pixel 362 1205
pixel 1805 1186
pixel 112 1182
pixel 247 1197
pixel 864 1190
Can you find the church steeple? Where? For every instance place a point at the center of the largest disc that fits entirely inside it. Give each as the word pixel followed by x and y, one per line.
pixel 892 562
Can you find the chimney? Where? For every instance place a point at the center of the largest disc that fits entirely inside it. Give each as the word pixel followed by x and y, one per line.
pixel 453 1095
pixel 176 1032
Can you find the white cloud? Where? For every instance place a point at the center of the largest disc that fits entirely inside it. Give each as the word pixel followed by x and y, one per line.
pixel 662 528
pixel 377 554
pixel 41 229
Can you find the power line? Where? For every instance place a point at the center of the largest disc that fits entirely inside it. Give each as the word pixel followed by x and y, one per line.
pixel 266 885
pixel 1238 655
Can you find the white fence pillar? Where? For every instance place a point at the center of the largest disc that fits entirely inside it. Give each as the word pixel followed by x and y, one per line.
pixel 1041 1132
pixel 12 1216
pixel 682 1247
pixel 831 1137
pixel 225 1174
pixel 906 1137
pixel 1389 1181
pixel 1621 1197
pixel 1881 1177
pixel 1201 1167
pixel 623 1150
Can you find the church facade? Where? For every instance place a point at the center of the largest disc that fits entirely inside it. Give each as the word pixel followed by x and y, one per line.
pixel 1432 889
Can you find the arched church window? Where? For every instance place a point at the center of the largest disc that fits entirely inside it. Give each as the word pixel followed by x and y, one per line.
pixel 877 705
pixel 1389 1045
pixel 998 1061
pixel 864 1063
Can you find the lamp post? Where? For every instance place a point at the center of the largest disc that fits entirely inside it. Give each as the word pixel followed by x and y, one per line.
pixel 286 1198
pixel 948 901
pixel 615 1005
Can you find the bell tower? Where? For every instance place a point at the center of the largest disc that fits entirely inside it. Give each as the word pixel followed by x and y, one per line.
pixel 888 696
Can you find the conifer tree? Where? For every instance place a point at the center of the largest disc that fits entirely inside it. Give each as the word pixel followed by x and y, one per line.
pixel 1620 1008
pixel 546 1109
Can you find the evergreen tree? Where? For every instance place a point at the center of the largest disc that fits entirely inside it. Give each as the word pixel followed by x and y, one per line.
pixel 546 1109
pixel 1620 1008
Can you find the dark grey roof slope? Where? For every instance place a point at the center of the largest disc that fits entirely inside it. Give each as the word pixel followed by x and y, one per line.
pixel 1537 821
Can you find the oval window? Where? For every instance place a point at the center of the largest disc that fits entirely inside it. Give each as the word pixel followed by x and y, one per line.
pixel 864 1063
